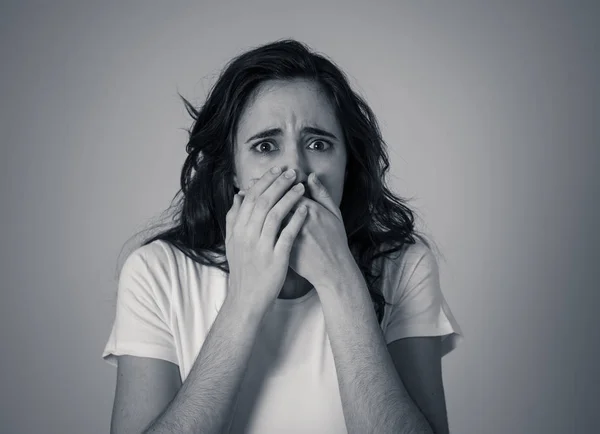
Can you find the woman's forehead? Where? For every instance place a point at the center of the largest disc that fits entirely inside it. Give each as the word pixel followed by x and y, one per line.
pixel 288 104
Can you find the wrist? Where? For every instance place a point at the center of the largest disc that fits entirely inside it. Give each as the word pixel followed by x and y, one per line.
pixel 348 290
pixel 347 274
pixel 248 311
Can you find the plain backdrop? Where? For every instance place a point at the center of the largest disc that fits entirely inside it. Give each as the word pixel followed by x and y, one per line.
pixel 491 114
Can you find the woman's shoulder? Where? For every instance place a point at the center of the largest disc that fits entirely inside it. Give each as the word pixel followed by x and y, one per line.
pixel 408 252
pixel 168 267
pixel 155 252
pixel 149 262
pixel 405 263
pixel 156 259
pixel 163 250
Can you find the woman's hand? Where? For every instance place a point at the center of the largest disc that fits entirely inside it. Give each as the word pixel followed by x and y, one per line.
pixel 321 249
pixel 258 258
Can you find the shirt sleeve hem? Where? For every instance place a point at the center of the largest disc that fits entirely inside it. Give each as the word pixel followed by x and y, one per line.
pixel 139 350
pixel 451 337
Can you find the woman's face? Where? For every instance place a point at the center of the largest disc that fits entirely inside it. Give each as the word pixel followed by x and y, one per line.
pixel 291 124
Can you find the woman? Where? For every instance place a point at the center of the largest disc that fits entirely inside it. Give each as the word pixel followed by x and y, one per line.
pixel 276 304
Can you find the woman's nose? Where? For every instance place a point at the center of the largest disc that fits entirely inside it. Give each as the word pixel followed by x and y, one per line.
pixel 301 177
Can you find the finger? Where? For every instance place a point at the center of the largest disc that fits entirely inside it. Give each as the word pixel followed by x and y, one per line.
pixel 265 203
pixel 280 214
pixel 256 188
pixel 231 216
pixel 243 192
pixel 321 195
pixel 288 235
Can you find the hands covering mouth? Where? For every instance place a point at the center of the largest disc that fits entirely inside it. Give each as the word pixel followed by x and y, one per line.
pixel 287 218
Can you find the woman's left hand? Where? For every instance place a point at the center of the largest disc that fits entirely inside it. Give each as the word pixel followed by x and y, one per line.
pixel 321 250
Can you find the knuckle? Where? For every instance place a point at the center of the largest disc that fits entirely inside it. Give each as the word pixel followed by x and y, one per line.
pixel 245 241
pixel 250 196
pixel 262 249
pixel 274 216
pixel 238 233
pixel 282 180
pixel 286 238
pixel 262 202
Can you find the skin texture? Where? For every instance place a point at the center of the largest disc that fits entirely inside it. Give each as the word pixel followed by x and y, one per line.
pixel 157 379
pixel 395 388
pixel 372 377
pixel 375 398
pixel 291 106
pixel 418 361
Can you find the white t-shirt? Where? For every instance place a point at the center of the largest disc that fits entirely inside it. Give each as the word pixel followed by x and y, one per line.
pixel 166 304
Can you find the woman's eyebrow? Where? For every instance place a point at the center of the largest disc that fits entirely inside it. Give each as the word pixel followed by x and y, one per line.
pixel 318 132
pixel 271 132
pixel 266 133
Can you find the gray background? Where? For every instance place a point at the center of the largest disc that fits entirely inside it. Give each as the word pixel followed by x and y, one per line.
pixel 490 110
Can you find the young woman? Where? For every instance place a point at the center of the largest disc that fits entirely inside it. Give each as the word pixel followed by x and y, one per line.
pixel 293 294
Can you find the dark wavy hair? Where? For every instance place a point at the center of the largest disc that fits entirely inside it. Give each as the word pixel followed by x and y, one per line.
pixel 376 221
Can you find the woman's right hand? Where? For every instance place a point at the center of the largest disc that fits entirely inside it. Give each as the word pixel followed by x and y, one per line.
pixel 258 258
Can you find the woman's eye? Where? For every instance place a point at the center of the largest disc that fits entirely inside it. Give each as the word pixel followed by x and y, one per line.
pixel 323 144
pixel 260 147
pixel 263 147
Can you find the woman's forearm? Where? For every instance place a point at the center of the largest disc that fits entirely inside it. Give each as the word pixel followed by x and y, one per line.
pixel 374 400
pixel 205 401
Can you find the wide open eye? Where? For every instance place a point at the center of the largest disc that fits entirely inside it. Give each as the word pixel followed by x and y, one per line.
pixel 260 148
pixel 323 143
pixel 263 147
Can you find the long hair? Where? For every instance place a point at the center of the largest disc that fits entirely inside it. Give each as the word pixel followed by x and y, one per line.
pixel 374 218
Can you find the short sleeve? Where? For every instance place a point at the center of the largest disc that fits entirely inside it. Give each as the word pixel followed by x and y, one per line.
pixel 418 305
pixel 142 320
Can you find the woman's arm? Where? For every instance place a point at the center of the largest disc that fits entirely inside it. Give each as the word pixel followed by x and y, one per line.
pixel 418 361
pixel 374 398
pixel 205 401
pixel 155 380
